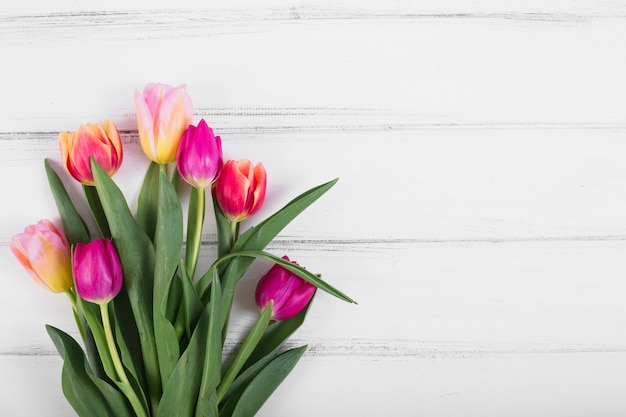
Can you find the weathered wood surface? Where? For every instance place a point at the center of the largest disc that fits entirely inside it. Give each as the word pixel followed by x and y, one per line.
pixel 480 216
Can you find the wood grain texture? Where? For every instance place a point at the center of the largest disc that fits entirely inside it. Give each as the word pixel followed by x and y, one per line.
pixel 479 217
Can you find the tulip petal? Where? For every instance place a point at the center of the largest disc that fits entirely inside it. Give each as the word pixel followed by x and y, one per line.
pixel 145 127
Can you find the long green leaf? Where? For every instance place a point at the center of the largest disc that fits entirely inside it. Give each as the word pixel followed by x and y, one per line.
pixel 207 399
pixel 168 240
pixel 137 257
pixel 95 205
pixel 147 201
pixel 224 231
pixel 191 305
pixel 267 348
pixel 266 382
pixel 181 392
pixel 73 224
pixel 88 397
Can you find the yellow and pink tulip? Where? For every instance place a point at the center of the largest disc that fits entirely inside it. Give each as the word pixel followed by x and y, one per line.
pixel 44 252
pixel 163 114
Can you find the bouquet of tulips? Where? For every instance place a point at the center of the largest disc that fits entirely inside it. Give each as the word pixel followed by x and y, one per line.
pixel 152 328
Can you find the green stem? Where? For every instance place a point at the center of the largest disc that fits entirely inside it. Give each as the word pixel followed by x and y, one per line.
pixel 234 229
pixel 246 349
pixel 163 168
pixel 72 298
pixel 117 363
pixel 195 221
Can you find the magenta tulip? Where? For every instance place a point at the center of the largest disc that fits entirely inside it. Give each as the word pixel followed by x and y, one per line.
pixel 44 252
pixel 289 292
pixel 97 271
pixel 240 189
pixel 199 157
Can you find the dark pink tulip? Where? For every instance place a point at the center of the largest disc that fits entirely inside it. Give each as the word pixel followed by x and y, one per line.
pixel 97 271
pixel 240 189
pixel 199 157
pixel 289 292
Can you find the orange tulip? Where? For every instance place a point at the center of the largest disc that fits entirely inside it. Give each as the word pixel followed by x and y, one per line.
pixel 100 141
pixel 240 189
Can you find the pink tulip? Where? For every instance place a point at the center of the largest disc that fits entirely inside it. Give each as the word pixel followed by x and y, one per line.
pixel 44 252
pixel 199 158
pixel 97 271
pixel 289 292
pixel 240 189
pixel 163 114
pixel 100 141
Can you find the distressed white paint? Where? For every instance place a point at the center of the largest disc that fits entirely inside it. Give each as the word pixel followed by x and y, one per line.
pixel 480 219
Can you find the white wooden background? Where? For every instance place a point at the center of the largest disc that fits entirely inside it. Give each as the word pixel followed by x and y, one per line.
pixel 480 219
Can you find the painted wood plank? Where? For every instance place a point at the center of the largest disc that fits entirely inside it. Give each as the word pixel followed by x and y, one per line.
pixel 385 71
pixel 416 185
pixel 584 384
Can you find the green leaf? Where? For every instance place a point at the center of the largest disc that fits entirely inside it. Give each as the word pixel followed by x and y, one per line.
pixel 257 237
pixel 266 382
pixel 207 400
pixel 88 395
pixel 148 200
pixel 273 338
pixel 137 257
pixel 181 392
pixel 168 249
pixel 224 231
pixel 245 350
pixel 192 306
pixel 73 224
pixel 95 205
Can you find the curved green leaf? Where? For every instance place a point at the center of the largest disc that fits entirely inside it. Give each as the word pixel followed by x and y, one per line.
pixel 88 395
pixel 266 382
pixel 73 224
pixel 137 257
pixel 147 201
pixel 168 241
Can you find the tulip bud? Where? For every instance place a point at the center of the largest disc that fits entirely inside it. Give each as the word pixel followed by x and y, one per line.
pixel 44 252
pixel 199 157
pixel 240 189
pixel 163 114
pixel 97 271
pixel 289 292
pixel 100 141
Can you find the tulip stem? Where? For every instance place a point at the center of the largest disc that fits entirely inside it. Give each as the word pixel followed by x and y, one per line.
pixel 234 230
pixel 163 168
pixel 194 229
pixel 72 298
pixel 117 363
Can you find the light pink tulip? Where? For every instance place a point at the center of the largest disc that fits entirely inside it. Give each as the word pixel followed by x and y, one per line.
pixel 44 252
pixel 163 114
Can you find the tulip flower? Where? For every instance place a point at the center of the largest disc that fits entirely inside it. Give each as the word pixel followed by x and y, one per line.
pixel 91 140
pixel 240 189
pixel 289 292
pixel 163 114
pixel 97 271
pixel 199 157
pixel 44 252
